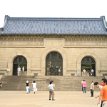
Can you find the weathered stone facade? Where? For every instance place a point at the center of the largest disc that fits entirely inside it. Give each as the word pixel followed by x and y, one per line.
pixel 35 48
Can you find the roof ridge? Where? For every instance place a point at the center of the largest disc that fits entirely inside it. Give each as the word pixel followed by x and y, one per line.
pixel 50 18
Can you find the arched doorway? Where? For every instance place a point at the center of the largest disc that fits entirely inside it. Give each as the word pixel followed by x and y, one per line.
pixel 19 61
pixel 88 66
pixel 54 64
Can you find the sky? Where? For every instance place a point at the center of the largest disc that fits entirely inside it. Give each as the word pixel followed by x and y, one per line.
pixel 53 8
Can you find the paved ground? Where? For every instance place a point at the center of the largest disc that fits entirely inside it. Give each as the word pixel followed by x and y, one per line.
pixel 40 99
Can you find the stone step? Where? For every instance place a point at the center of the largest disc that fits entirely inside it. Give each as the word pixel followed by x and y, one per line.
pixel 65 83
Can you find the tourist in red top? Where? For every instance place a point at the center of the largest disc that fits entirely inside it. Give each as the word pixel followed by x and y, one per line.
pixel 84 85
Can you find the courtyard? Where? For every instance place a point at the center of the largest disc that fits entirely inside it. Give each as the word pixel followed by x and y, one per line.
pixel 40 99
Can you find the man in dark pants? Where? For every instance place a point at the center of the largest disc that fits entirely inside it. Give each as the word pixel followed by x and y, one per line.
pixel 92 89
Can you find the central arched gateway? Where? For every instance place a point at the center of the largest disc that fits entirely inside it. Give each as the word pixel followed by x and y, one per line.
pixel 54 64
pixel 19 61
pixel 88 66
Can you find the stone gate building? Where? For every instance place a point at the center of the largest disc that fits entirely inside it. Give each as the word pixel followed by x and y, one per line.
pixel 53 46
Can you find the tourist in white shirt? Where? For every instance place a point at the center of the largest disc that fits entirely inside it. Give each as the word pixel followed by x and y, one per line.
pixel 92 89
pixel 34 87
pixel 18 70
pixel 51 90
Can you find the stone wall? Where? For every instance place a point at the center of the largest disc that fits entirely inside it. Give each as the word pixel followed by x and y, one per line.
pixel 35 49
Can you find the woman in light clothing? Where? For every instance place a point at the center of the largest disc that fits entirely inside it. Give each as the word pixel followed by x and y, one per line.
pixel 51 90
pixel 34 87
pixel 27 87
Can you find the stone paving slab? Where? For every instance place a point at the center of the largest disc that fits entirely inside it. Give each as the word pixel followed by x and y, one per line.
pixel 40 99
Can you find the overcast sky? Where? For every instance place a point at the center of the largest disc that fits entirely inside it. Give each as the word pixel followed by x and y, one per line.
pixel 53 8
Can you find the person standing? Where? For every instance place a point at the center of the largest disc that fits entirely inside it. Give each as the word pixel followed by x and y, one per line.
pixel 103 94
pixel 23 68
pixel 27 87
pixel 34 87
pixel 84 72
pixel 51 90
pixel 92 72
pixel 84 85
pixel 1 84
pixel 92 89
pixel 98 96
pixel 18 70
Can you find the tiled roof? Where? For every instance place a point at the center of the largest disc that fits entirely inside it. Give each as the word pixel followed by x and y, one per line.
pixel 19 25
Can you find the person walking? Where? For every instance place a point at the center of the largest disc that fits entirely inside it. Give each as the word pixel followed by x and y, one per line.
pixel 92 89
pixel 34 86
pixel 51 90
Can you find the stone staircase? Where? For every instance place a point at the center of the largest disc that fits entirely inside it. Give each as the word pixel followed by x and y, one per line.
pixel 62 83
